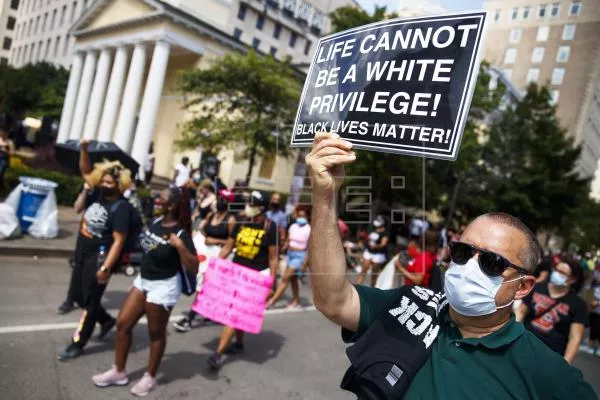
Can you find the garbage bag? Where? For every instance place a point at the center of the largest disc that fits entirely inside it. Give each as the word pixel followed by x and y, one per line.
pixel 14 198
pixel 9 223
pixel 388 278
pixel 45 225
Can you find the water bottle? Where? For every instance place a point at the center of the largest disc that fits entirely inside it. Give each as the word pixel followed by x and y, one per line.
pixel 101 256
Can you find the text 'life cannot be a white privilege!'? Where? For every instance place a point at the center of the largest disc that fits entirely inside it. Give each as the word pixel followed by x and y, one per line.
pixel 400 86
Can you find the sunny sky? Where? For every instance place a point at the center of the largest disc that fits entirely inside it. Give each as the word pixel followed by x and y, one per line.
pixel 451 5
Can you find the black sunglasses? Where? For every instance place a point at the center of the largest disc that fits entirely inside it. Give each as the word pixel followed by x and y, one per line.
pixel 490 263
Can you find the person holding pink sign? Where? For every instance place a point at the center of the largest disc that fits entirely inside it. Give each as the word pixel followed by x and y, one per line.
pixel 167 245
pixel 255 242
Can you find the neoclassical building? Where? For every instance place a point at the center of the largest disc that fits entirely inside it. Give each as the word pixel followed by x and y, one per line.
pixel 123 84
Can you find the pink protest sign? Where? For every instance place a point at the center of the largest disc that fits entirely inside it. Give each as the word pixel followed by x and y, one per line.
pixel 233 295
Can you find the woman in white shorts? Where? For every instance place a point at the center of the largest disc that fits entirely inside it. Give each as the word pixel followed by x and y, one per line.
pixel 167 245
pixel 375 254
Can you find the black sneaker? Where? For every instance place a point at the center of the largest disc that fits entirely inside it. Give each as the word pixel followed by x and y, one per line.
pixel 71 352
pixel 235 348
pixel 106 327
pixel 183 325
pixel 216 361
pixel 66 307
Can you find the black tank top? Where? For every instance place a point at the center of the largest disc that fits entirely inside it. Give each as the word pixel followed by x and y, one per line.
pixel 219 231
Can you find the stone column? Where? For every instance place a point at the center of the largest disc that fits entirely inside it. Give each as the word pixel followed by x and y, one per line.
pixel 113 95
pixel 124 130
pixel 150 103
pixel 71 96
pixel 97 96
pixel 83 96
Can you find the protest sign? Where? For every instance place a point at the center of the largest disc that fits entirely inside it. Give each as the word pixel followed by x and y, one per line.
pixel 401 86
pixel 233 295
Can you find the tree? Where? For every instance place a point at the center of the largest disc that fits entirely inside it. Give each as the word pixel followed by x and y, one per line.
pixel 38 89
pixel 530 165
pixel 348 17
pixel 241 102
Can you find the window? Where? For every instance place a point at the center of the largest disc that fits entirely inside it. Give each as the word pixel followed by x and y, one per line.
pixel 514 14
pixel 510 56
pixel 260 21
pixel 48 44
pixel 7 43
pixel 562 55
pixel 53 19
pixel 554 94
pixel 497 16
pixel 267 166
pixel 273 51
pixel 32 53
pixel 73 11
pixel 14 4
pixel 45 22
pixel 277 30
pixel 557 76
pixel 237 33
pixel 56 46
pixel 526 12
pixel 515 35
pixel 66 46
pixel 62 15
pixel 533 75
pixel 543 33
pixel 255 43
pixel 3 61
pixel 293 38
pixel 29 27
pixel 568 32
pixel 10 23
pixel 242 12
pixel 307 47
pixel 37 25
pixel 537 55
pixel 575 8
pixel 542 11
pixel 39 51
pixel 554 11
pixel 25 54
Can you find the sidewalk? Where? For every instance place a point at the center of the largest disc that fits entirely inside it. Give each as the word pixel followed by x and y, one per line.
pixel 62 246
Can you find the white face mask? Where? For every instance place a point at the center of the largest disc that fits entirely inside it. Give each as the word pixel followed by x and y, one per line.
pixel 558 279
pixel 251 211
pixel 471 292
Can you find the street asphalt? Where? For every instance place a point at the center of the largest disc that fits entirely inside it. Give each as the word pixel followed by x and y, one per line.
pixel 299 354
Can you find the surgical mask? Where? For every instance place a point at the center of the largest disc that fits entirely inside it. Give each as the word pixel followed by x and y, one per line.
pixel 251 211
pixel 109 192
pixel 558 279
pixel 377 224
pixel 470 292
pixel 301 221
pixel 275 206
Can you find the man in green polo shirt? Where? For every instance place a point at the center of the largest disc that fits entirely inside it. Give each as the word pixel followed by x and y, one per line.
pixel 480 351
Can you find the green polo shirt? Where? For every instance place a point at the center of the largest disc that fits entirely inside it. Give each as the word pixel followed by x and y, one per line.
pixel 510 363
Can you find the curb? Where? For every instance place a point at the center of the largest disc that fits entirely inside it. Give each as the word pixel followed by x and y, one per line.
pixel 31 251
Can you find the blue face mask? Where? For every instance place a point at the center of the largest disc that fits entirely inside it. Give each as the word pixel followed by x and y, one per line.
pixel 301 221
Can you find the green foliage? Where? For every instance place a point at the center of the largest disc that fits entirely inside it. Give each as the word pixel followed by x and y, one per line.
pixel 241 102
pixel 348 17
pixel 69 186
pixel 583 229
pixel 38 89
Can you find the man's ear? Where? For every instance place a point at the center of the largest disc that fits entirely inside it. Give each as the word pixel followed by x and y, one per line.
pixel 526 286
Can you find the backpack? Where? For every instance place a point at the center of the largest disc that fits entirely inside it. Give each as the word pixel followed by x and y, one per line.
pixel 135 225
pixel 189 280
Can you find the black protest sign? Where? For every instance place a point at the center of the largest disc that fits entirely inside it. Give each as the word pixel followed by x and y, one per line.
pixel 400 86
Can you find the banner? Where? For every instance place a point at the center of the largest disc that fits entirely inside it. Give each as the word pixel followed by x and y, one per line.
pixel 233 295
pixel 400 86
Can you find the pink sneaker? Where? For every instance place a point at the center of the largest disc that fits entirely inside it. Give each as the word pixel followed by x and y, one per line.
pixel 111 378
pixel 144 386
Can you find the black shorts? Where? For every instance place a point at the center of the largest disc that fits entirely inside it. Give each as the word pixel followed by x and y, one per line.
pixel 594 326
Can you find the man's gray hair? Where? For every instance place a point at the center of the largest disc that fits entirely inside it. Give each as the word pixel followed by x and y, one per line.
pixel 531 255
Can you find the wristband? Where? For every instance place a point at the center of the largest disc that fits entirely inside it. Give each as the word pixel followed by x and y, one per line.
pixel 104 268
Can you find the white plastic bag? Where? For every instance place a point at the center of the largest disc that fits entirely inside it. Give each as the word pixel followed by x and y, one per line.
pixel 388 279
pixel 14 198
pixel 9 223
pixel 45 225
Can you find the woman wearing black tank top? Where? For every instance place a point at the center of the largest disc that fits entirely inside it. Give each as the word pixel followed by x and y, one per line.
pixel 216 228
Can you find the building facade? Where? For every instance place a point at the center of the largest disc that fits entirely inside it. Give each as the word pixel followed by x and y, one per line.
pixel 417 8
pixel 8 22
pixel 554 43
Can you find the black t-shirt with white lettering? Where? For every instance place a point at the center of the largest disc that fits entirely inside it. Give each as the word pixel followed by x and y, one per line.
pixel 161 260
pixel 100 219
pixel 550 319
pixel 252 241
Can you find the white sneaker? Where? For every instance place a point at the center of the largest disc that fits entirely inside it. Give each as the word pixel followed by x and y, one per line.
pixel 584 348
pixel 111 378
pixel 144 386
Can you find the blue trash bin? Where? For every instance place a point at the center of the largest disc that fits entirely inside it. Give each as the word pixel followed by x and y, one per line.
pixel 35 191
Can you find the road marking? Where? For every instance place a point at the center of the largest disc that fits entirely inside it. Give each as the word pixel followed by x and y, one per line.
pixel 73 325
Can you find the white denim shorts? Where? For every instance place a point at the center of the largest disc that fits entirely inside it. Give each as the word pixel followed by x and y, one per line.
pixel 164 292
pixel 376 258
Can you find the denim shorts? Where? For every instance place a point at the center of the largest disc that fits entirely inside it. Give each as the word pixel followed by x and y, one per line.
pixel 295 259
pixel 164 292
